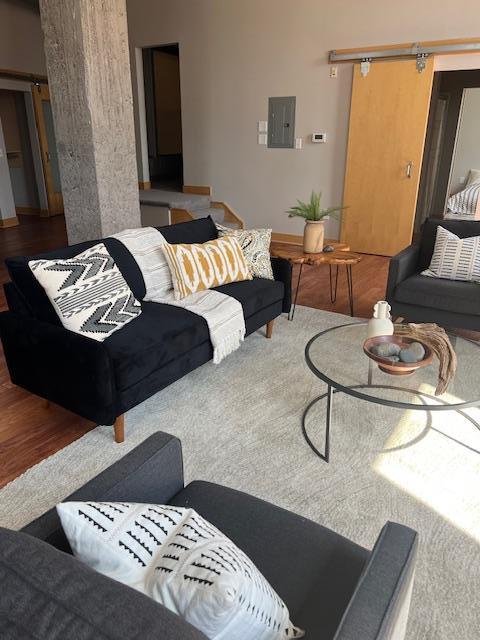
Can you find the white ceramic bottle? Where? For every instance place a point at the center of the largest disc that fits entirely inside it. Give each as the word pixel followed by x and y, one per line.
pixel 381 323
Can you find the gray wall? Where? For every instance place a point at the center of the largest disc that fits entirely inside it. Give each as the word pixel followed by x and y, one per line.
pixel 21 39
pixel 467 149
pixel 235 54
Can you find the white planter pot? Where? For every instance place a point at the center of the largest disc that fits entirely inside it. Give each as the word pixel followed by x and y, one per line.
pixel 313 236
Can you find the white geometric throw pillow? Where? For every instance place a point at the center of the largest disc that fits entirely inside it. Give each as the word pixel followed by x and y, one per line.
pixel 454 258
pixel 88 292
pixel 180 560
pixel 255 244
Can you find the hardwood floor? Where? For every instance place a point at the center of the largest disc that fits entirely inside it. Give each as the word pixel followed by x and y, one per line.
pixel 369 284
pixel 30 431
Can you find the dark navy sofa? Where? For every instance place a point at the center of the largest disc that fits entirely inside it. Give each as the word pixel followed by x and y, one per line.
pixel 100 381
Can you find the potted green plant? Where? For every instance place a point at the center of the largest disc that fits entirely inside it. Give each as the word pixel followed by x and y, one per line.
pixel 315 217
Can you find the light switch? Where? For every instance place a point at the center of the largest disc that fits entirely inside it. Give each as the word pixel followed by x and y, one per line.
pixel 262 138
pixel 298 143
pixel 333 72
pixel 262 126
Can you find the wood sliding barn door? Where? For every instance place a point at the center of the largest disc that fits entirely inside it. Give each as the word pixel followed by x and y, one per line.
pixel 48 147
pixel 388 120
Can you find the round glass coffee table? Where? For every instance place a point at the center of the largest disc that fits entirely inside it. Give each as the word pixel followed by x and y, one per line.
pixel 336 356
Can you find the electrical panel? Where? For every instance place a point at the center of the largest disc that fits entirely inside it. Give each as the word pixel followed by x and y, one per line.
pixel 281 122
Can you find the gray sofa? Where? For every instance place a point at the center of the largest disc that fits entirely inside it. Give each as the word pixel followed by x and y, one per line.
pixel 333 587
pixel 417 298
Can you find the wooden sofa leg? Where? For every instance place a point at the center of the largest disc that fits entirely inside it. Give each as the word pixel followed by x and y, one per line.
pixel 46 403
pixel 119 428
pixel 269 329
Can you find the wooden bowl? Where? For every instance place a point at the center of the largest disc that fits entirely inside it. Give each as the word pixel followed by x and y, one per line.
pixel 396 368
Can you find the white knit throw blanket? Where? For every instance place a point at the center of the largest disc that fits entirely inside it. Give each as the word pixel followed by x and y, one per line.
pixel 223 314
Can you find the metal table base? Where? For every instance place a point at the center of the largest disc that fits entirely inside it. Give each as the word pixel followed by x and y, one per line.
pixel 389 403
pixel 333 279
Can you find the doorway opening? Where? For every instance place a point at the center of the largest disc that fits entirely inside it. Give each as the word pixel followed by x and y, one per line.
pixel 451 161
pixel 19 157
pixel 161 72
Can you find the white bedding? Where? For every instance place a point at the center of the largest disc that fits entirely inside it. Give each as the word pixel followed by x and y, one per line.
pixel 465 204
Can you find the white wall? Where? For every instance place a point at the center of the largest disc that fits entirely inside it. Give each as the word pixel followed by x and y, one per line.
pixel 467 148
pixel 234 54
pixel 21 39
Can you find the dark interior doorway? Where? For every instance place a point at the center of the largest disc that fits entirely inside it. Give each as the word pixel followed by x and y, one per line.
pixel 161 71
pixel 14 122
pixel 440 143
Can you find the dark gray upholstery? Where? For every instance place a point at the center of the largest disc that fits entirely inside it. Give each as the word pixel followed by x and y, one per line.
pixel 152 472
pixel 48 595
pixel 333 587
pixel 438 293
pixel 379 606
pixel 313 569
pixel 418 298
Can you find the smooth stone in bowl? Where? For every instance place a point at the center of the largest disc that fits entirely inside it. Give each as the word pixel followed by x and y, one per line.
pixel 413 353
pixel 386 349
pixel 392 358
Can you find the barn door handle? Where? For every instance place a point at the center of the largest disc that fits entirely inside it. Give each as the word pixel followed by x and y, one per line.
pixel 409 169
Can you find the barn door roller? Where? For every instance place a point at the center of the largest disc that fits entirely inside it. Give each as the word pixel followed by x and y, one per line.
pixel 421 61
pixel 421 64
pixel 417 50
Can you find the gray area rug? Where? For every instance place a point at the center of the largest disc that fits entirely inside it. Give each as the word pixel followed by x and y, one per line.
pixel 239 423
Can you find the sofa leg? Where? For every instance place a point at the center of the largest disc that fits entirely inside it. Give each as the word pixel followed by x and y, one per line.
pixel 46 403
pixel 119 428
pixel 269 329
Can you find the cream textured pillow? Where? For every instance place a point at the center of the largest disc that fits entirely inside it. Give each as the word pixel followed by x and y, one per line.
pixel 174 556
pixel 454 258
pixel 255 245
pixel 88 292
pixel 196 267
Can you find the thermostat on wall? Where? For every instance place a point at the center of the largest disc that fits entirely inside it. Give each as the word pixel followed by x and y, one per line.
pixel 319 137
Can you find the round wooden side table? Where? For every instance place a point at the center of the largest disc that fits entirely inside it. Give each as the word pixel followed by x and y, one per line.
pixel 341 255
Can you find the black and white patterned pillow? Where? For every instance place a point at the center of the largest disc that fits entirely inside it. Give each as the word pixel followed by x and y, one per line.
pixel 179 559
pixel 255 244
pixel 454 258
pixel 88 292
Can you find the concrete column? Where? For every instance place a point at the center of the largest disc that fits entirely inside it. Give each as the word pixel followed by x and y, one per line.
pixel 86 47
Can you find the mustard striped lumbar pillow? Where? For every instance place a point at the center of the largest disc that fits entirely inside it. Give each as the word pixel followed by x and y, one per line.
pixel 196 267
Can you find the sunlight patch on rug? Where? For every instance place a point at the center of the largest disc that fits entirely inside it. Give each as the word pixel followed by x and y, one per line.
pixel 437 461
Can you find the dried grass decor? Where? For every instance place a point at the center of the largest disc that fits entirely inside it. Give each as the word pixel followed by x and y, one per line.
pixel 437 339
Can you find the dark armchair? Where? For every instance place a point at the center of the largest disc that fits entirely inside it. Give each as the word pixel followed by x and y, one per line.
pixel 334 588
pixel 417 298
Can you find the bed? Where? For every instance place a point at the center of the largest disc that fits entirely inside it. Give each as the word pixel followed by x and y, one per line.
pixel 465 204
